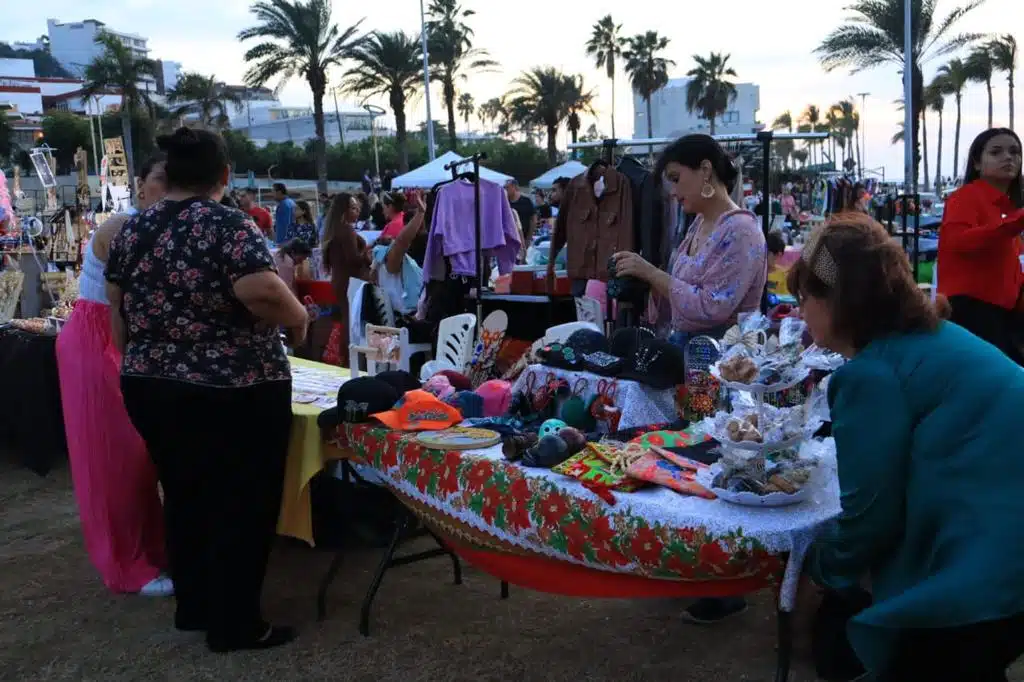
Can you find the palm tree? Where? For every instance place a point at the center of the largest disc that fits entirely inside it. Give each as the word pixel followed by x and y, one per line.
pixel 541 97
pixel 579 101
pixel 1004 59
pixel 812 123
pixel 955 75
pixel 605 46
pixel 873 36
pixel 708 91
pixel 450 42
pixel 205 97
pixel 648 71
pixel 800 156
pixel 299 38
pixel 846 122
pixel 783 121
pixel 466 107
pixel 935 99
pixel 832 127
pixel 388 65
pixel 784 148
pixel 117 68
pixel 981 69
pixel 491 110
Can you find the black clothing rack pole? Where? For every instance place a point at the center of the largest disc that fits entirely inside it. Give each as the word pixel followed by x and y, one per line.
pixel 475 159
pixel 765 138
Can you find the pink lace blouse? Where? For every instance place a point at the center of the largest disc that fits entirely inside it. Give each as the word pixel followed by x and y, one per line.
pixel 724 278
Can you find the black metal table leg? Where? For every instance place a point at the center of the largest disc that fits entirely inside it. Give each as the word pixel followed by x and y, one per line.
pixel 325 584
pixel 504 590
pixel 378 576
pixel 784 622
pixel 456 565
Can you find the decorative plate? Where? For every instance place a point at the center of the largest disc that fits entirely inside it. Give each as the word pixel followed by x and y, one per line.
pixel 748 499
pixel 459 438
pixel 791 379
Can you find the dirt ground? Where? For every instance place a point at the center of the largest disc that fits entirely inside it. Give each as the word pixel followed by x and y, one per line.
pixel 57 622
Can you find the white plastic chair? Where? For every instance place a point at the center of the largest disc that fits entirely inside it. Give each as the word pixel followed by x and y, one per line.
pixel 455 338
pixel 561 332
pixel 589 310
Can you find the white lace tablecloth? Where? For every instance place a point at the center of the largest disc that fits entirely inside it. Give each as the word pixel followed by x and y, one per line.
pixel 640 405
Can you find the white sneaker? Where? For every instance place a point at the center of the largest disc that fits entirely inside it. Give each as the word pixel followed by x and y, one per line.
pixel 161 586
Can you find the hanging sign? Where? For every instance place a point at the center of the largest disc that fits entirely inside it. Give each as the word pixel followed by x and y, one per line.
pixel 117 163
pixel 42 166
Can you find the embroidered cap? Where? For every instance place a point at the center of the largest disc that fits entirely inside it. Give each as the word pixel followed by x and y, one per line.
pixel 357 400
pixel 656 363
pixel 818 258
pixel 419 411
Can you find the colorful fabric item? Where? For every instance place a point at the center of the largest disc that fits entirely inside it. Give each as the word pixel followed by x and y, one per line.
pixel 420 411
pixel 114 479
pixel 666 439
pixel 176 264
pixel 332 354
pixel 593 467
pixel 659 470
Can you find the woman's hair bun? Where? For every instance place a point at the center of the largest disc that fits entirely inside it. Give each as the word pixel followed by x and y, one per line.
pixel 181 138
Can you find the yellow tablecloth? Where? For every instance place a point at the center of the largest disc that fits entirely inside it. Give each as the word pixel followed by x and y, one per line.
pixel 307 456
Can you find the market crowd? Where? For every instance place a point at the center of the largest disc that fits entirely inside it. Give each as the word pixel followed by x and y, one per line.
pixel 184 301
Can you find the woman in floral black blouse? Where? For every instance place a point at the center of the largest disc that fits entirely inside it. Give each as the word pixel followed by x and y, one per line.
pixel 196 306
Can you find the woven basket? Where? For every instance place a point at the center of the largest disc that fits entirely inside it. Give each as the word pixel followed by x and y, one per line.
pixel 11 283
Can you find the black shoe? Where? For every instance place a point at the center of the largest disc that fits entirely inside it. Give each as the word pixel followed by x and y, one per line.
pixel 712 610
pixel 274 636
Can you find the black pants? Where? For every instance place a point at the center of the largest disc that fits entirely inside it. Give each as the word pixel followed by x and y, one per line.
pixel 998 326
pixel 220 455
pixel 973 653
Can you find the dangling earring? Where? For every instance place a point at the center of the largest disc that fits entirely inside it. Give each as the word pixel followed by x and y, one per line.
pixel 708 190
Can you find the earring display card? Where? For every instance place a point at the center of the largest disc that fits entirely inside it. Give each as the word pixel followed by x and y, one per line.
pixel 701 393
pixel 315 387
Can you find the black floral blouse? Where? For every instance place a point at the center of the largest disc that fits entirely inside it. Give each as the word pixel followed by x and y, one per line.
pixel 175 265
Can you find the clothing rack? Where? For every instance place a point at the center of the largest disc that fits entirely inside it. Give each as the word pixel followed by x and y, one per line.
pixel 764 138
pixel 475 159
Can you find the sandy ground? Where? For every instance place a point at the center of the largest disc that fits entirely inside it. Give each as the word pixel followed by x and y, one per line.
pixel 57 622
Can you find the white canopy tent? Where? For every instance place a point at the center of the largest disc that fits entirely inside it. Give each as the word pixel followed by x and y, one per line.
pixel 428 175
pixel 569 169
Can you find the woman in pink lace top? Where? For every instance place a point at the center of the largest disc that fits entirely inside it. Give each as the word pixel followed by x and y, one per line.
pixel 720 268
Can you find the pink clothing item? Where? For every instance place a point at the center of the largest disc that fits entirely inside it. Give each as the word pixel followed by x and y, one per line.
pixel 114 479
pixel 724 278
pixel 497 396
pixel 599 290
pixel 285 269
pixel 392 229
pixel 789 205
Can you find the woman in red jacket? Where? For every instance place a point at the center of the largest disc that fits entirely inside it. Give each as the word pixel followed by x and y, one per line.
pixel 980 243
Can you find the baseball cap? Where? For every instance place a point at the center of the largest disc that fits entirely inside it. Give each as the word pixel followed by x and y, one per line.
pixel 419 411
pixel 656 363
pixel 357 399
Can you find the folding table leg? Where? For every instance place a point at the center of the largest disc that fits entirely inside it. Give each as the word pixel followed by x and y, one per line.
pixel 385 563
pixel 325 584
pixel 504 590
pixel 456 565
pixel 784 622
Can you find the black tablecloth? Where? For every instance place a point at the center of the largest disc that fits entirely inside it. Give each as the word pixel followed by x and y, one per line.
pixel 31 420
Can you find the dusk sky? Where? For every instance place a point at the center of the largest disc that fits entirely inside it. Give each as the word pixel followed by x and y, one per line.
pixel 771 45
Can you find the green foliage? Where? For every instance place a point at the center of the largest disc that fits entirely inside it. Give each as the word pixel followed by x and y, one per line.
pixel 66 132
pixel 45 65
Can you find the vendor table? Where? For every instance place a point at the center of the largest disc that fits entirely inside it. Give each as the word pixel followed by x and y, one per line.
pixel 639 405
pixel 308 453
pixel 537 529
pixel 31 419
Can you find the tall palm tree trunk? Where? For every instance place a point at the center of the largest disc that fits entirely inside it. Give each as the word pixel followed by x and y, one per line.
pixel 956 137
pixel 917 104
pixel 650 121
pixel 938 158
pixel 401 137
pixel 613 105
pixel 924 149
pixel 126 138
pixel 552 145
pixel 1009 79
pixel 449 103
pixel 988 86
pixel 319 143
pixel 860 168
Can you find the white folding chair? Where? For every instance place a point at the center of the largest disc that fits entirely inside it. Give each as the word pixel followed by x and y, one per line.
pixel 455 338
pixel 561 332
pixel 589 310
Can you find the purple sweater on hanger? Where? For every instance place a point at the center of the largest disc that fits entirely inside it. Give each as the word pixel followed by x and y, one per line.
pixel 452 231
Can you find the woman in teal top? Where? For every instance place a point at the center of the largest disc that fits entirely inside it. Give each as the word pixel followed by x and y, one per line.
pixel 926 420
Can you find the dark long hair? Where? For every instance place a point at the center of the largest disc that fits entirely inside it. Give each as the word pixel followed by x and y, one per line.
pixel 1016 190
pixel 338 228
pixel 692 150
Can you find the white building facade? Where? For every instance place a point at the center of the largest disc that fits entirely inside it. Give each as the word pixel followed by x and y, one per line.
pixel 73 44
pixel 669 117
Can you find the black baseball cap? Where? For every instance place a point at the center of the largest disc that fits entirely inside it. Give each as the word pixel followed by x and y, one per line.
pixel 357 400
pixel 656 363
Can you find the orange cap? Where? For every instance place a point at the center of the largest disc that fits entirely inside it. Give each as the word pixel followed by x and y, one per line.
pixel 420 411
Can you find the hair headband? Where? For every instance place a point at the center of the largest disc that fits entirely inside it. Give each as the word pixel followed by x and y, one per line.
pixel 817 256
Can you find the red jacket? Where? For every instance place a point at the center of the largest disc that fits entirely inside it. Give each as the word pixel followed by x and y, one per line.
pixel 262 218
pixel 980 246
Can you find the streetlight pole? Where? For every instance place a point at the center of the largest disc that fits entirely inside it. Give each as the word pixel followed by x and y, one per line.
pixel 863 133
pixel 374 112
pixel 426 82
pixel 337 116
pixel 909 181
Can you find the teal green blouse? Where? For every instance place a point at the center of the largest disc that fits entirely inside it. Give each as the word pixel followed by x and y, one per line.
pixel 931 473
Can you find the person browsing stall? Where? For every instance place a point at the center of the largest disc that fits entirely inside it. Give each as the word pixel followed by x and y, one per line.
pixel 289 258
pixel 925 420
pixel 524 208
pixel 345 255
pixel 398 275
pixel 304 227
pixel 196 307
pixel 979 267
pixel 259 215
pixel 720 267
pixel 394 219
pixel 284 213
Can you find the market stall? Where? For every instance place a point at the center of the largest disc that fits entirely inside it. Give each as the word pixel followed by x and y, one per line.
pixel 569 169
pixel 430 174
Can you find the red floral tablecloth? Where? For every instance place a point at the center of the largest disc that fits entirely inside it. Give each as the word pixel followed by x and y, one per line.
pixel 480 499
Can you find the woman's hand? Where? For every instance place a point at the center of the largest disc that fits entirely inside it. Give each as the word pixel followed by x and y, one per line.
pixel 419 202
pixel 629 264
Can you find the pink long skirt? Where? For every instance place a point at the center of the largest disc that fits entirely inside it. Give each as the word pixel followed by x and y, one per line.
pixel 114 479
